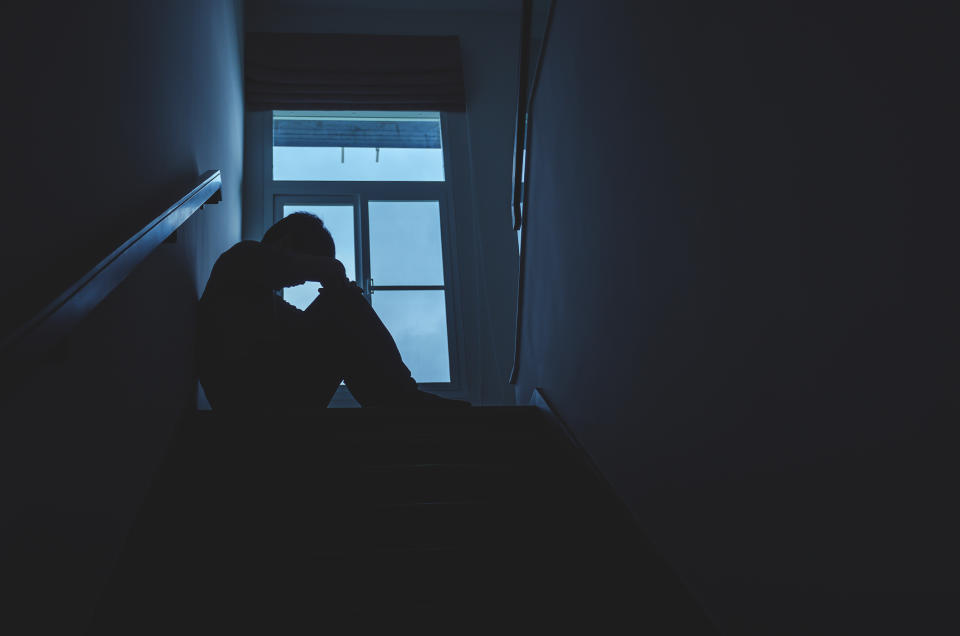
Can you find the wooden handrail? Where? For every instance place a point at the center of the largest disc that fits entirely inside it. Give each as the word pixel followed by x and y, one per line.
pixel 39 335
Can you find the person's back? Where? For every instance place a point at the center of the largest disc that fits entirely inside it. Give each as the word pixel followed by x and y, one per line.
pixel 239 325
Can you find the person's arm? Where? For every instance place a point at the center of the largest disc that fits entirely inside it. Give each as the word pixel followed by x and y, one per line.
pixel 269 267
pixel 285 268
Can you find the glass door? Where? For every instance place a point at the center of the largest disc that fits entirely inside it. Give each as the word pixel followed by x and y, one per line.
pixel 395 251
pixel 407 283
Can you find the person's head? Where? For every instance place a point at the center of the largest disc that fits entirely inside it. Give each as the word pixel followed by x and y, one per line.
pixel 303 232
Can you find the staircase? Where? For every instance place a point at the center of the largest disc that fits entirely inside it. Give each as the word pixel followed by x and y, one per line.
pixel 364 520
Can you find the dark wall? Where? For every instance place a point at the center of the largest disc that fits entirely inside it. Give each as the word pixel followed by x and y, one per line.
pixel 741 296
pixel 115 109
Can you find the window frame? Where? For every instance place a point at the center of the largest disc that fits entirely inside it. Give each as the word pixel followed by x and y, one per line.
pixel 277 193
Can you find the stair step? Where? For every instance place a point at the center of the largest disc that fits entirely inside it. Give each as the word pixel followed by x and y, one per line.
pixel 380 518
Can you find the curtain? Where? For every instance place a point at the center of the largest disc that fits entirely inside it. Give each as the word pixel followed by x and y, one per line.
pixel 300 71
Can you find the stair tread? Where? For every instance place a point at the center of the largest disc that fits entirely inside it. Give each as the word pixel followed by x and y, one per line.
pixel 378 515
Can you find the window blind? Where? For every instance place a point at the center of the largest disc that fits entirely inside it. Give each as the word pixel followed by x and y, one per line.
pixel 301 71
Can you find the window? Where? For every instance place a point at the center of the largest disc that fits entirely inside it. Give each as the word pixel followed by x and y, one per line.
pixel 356 146
pixel 378 181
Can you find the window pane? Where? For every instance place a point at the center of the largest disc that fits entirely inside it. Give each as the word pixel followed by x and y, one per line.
pixel 405 244
pixel 418 322
pixel 337 218
pixel 356 146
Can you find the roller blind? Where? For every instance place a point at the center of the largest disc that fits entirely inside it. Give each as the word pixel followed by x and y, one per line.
pixel 301 71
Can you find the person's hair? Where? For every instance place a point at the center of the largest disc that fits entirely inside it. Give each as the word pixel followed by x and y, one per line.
pixel 304 232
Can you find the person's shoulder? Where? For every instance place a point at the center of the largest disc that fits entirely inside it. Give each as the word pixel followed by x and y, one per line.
pixel 244 247
pixel 237 263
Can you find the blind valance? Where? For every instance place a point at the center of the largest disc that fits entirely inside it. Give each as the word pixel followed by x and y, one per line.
pixel 304 71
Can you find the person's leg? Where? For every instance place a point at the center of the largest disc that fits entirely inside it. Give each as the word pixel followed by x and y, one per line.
pixel 300 363
pixel 365 352
pixel 287 365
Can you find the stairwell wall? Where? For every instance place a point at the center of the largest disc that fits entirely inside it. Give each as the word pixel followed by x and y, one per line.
pixel 113 109
pixel 740 294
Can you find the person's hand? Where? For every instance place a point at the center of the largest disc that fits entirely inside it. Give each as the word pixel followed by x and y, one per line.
pixel 333 274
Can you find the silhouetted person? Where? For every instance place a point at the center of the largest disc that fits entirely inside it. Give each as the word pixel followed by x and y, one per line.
pixel 256 351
